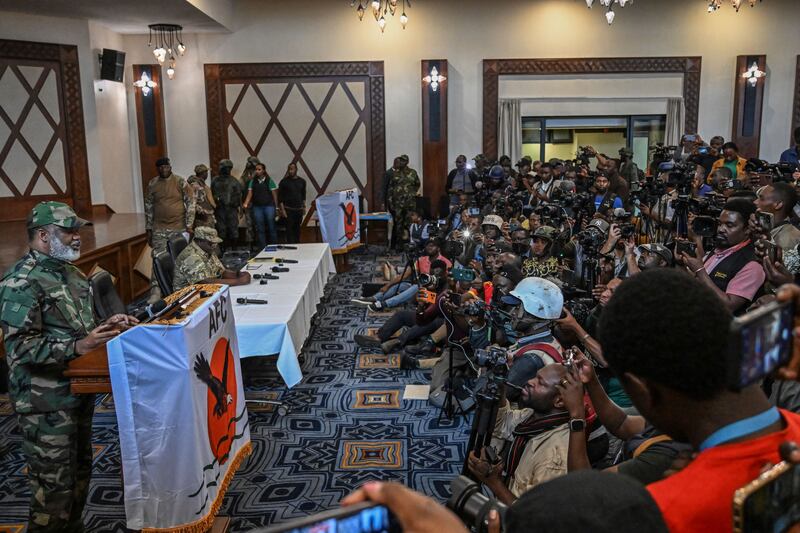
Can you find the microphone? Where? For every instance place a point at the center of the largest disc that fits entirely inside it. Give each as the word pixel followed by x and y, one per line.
pixel 246 301
pixel 151 310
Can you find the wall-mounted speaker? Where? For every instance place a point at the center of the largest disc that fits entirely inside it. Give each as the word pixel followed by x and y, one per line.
pixel 112 65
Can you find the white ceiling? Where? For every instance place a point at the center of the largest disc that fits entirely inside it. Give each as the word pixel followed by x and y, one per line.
pixel 127 16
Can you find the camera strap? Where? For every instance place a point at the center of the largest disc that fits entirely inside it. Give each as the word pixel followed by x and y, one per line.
pixel 741 428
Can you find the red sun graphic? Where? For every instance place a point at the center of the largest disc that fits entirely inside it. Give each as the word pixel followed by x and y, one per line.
pixel 349 220
pixel 222 400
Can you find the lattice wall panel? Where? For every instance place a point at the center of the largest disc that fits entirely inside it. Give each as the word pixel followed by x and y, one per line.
pixel 318 124
pixel 33 158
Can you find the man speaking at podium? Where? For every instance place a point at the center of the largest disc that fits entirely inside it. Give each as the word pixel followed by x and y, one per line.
pixel 47 318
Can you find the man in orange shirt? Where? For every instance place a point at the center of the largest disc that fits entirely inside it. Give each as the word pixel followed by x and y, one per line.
pixel 671 362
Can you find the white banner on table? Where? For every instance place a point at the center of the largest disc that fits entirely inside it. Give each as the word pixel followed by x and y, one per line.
pixel 182 417
pixel 338 214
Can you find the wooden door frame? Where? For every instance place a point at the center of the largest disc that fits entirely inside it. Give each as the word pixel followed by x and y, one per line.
pixel 218 74
pixel 690 67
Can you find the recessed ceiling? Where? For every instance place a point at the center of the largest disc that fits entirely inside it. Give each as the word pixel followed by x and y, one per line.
pixel 123 16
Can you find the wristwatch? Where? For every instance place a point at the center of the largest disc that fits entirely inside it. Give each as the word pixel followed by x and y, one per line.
pixel 577 424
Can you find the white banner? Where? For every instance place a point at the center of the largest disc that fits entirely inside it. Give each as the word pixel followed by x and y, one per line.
pixel 182 416
pixel 338 214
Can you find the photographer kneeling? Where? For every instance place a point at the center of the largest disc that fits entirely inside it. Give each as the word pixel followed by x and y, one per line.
pixel 425 320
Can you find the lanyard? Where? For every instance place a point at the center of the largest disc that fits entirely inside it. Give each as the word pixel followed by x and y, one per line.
pixel 741 428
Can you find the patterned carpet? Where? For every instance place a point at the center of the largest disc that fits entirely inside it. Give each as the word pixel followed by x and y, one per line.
pixel 348 424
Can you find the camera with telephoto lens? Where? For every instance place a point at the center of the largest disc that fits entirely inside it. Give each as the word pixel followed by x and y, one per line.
pixel 778 172
pixel 427 279
pixel 552 213
pixel 627 230
pixel 661 153
pixel 472 506
pixel 592 238
pixel 494 359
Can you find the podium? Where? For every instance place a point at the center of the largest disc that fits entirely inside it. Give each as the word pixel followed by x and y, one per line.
pixel 89 374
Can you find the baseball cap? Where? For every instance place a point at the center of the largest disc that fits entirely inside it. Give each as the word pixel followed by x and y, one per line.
pixel 57 213
pixel 658 249
pixel 204 233
pixel 493 220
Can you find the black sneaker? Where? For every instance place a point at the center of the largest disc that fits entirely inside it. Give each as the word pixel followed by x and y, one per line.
pixel 425 347
pixel 408 362
pixel 365 341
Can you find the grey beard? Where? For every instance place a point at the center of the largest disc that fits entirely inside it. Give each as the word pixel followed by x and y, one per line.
pixel 61 251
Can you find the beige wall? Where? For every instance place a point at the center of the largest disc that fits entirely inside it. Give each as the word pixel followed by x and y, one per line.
pixel 463 31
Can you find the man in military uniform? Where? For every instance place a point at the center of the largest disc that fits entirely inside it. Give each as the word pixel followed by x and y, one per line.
pixel 628 169
pixel 204 203
pixel 227 192
pixel 168 210
pixel 401 184
pixel 47 318
pixel 198 263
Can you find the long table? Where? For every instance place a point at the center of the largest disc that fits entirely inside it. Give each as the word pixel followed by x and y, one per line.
pixel 282 326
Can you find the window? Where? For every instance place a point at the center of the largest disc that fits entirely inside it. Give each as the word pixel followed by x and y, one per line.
pixel 565 135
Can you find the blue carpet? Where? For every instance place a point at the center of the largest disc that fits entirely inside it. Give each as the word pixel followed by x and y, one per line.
pixel 348 424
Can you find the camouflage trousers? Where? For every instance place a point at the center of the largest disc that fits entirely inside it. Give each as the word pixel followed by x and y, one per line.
pixel 58 448
pixel 228 225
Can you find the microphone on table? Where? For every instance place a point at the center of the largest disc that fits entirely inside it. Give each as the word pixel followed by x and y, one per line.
pixel 151 310
pixel 246 301
pixel 279 269
pixel 285 247
pixel 273 260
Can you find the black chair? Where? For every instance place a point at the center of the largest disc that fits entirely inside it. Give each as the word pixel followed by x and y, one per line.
pixel 104 295
pixel 164 270
pixel 175 246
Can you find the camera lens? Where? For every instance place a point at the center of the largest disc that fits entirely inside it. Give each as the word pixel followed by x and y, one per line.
pixel 471 505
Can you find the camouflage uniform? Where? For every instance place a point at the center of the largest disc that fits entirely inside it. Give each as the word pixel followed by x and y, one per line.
pixel 247 174
pixel 45 306
pixel 227 192
pixel 401 197
pixel 194 265
pixel 162 235
pixel 204 203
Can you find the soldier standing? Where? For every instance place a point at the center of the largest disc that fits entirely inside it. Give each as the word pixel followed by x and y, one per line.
pixel 227 192
pixel 203 199
pixel 47 319
pixel 168 209
pixel 401 184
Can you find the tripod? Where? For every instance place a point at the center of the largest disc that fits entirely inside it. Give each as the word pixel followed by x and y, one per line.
pixel 448 408
pixel 488 402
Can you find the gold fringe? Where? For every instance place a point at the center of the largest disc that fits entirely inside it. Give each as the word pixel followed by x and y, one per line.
pixel 204 524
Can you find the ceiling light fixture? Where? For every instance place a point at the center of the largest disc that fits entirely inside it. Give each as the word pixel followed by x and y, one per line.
pixel 609 5
pixel 168 40
pixel 714 5
pixel 434 78
pixel 382 10
pixel 753 74
pixel 145 84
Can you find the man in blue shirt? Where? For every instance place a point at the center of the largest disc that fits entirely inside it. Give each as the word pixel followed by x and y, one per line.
pixel 603 199
pixel 791 155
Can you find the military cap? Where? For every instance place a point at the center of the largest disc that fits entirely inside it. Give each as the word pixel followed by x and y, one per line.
pixel 204 233
pixel 226 163
pixel 253 160
pixel 403 158
pixel 546 232
pixel 162 161
pixel 57 213
pixel 199 169
pixel 658 249
pixel 479 157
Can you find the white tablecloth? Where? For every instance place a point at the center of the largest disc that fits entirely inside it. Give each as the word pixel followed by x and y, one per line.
pixel 282 326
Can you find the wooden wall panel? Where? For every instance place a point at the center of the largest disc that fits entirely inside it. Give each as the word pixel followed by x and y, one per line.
pixel 748 102
pixel 42 129
pixel 150 123
pixel 434 134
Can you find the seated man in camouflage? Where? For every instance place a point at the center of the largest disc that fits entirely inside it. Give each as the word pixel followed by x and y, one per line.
pixel 198 263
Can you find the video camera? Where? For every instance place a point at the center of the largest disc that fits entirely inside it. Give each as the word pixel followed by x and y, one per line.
pixel 495 360
pixel 778 171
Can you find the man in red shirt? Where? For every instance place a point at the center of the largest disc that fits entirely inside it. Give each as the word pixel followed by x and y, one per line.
pixel 670 360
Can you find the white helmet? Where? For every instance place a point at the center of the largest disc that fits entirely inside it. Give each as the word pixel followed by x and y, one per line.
pixel 540 298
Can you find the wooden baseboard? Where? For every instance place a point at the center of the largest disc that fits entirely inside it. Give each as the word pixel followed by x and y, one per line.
pixel 102 210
